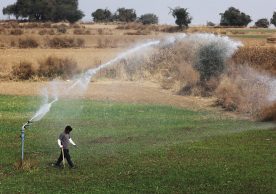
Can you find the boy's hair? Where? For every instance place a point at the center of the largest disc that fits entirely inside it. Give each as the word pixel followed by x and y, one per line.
pixel 68 129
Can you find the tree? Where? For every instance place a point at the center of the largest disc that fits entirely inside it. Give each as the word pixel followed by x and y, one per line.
pixel 262 23
pixel 182 17
pixel 148 19
pixel 125 15
pixel 45 10
pixel 233 17
pixel 102 15
pixel 11 10
pixel 273 19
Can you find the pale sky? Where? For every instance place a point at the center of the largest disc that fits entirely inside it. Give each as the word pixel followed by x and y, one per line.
pixel 201 10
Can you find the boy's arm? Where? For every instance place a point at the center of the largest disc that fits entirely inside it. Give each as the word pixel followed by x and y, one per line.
pixel 72 142
pixel 59 143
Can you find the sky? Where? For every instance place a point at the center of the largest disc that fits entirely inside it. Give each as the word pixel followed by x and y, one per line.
pixel 201 10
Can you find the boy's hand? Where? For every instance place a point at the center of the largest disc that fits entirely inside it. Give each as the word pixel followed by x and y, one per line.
pixel 61 146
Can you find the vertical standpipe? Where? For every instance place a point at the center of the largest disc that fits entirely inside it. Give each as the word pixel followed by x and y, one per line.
pixel 22 143
pixel 23 139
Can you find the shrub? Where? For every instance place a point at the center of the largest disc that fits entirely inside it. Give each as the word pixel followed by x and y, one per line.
pixel 81 31
pixel 53 67
pixel 64 42
pixel 244 90
pixel 148 19
pixel 210 24
pixel 210 62
pixel 262 23
pixel 261 58
pixel 23 71
pixel 107 43
pixel 80 42
pixel 16 32
pixel 62 29
pixel 46 32
pixel 268 113
pixel 27 43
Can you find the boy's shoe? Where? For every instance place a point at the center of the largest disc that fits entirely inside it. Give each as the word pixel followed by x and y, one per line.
pixel 72 167
pixel 55 165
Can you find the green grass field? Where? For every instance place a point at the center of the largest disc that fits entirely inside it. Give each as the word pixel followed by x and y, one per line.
pixel 133 148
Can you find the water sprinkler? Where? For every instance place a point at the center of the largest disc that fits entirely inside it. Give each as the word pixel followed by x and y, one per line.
pixel 23 139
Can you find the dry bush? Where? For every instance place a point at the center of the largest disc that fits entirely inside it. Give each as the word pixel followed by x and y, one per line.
pixel 46 32
pixel 52 67
pixel 170 29
pixel 23 71
pixel 138 32
pixel 262 58
pixel 268 113
pixel 81 31
pixel 16 31
pixel 2 30
pixel 31 25
pixel 13 43
pixel 76 26
pixel 244 90
pixel 10 24
pixel 46 25
pixel 65 42
pixel 104 31
pixel 62 29
pixel 107 43
pixel 28 42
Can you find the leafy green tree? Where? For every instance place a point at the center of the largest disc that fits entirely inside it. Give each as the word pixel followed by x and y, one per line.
pixel 45 10
pixel 273 19
pixel 125 15
pixel 148 19
pixel 102 15
pixel 262 23
pixel 11 10
pixel 233 17
pixel 182 16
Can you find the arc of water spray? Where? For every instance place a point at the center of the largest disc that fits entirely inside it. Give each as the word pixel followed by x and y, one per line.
pixel 83 81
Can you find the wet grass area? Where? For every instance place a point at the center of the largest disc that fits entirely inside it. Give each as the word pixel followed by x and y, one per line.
pixel 135 148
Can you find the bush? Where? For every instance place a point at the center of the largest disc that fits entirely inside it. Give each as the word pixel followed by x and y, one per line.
pixel 210 24
pixel 61 29
pixel 148 19
pixel 262 23
pixel 261 58
pixel 244 90
pixel 23 71
pixel 268 113
pixel 107 43
pixel 80 31
pixel 16 32
pixel 64 42
pixel 210 62
pixel 53 67
pixel 46 32
pixel 28 43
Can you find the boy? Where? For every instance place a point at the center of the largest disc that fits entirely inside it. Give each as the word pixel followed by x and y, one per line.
pixel 63 142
